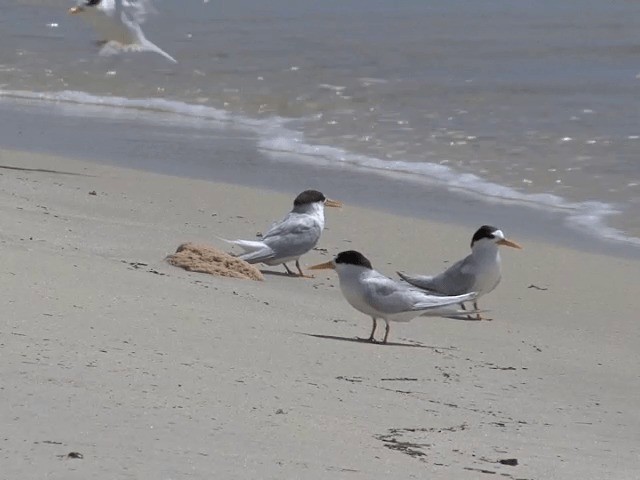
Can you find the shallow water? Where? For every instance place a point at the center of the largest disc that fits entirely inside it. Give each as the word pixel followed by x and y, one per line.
pixel 528 103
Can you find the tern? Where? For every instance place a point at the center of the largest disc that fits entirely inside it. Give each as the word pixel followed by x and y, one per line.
pixel 293 236
pixel 380 297
pixel 117 22
pixel 478 272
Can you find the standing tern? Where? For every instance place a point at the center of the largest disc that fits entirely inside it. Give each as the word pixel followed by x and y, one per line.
pixel 293 236
pixel 478 272
pixel 378 296
pixel 117 22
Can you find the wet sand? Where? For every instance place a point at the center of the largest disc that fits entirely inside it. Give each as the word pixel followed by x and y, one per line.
pixel 223 152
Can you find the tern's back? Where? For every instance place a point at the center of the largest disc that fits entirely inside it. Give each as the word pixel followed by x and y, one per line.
pixel 294 236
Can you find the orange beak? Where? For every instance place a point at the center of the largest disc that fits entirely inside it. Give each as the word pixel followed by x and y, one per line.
pixel 333 203
pixel 74 10
pixel 509 243
pixel 324 266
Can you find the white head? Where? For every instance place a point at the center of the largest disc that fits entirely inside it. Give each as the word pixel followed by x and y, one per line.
pixel 488 237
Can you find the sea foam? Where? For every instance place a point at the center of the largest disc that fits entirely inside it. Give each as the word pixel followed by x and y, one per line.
pixel 281 143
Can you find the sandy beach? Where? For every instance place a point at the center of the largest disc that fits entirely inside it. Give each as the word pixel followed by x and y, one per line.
pixel 151 372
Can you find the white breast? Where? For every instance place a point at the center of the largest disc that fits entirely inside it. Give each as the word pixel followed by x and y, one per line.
pixel 488 272
pixel 354 292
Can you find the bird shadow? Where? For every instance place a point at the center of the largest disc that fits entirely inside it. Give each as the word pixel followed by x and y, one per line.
pixel 277 274
pixel 282 274
pixel 44 170
pixel 367 342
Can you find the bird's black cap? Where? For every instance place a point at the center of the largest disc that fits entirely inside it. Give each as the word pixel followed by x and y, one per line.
pixel 351 257
pixel 92 3
pixel 485 231
pixel 309 196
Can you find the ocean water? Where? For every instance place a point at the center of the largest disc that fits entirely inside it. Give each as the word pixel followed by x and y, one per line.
pixel 493 104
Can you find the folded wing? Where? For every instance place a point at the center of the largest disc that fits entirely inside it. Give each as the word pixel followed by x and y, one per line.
pixel 388 296
pixel 456 280
pixel 294 236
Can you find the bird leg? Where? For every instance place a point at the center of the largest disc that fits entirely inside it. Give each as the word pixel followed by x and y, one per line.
pixel 386 331
pixel 464 308
pixel 373 330
pixel 301 272
pixel 478 316
pixel 288 270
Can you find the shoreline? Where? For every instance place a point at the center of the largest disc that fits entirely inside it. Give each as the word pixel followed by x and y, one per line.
pixel 152 372
pixel 231 155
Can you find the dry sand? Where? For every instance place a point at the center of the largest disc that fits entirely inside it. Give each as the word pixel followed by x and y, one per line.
pixel 152 372
pixel 202 258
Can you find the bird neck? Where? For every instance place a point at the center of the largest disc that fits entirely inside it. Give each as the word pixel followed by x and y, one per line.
pixel 313 209
pixel 485 251
pixel 351 273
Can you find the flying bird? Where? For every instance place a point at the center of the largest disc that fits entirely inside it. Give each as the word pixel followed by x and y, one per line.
pixel 293 236
pixel 479 272
pixel 380 297
pixel 117 23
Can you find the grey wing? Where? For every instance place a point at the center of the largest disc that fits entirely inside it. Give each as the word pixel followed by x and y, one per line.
pixel 389 296
pixel 421 281
pixel 137 9
pixel 456 280
pixel 385 295
pixel 277 227
pixel 258 256
pixel 294 236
